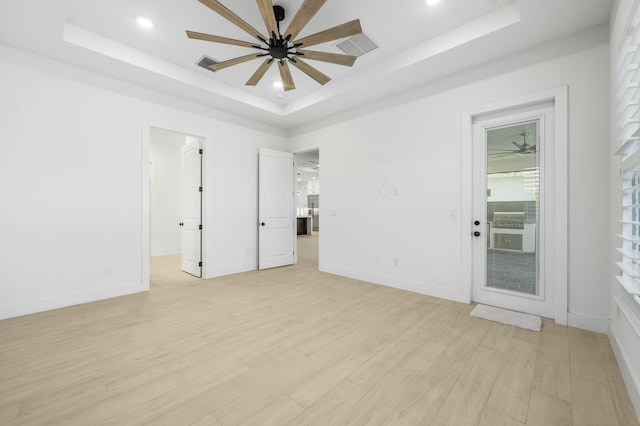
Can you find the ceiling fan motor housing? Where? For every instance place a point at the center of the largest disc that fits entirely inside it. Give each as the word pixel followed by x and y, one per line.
pixel 279 12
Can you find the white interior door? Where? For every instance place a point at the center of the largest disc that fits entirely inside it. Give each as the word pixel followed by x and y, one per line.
pixel 191 235
pixel 276 209
pixel 512 211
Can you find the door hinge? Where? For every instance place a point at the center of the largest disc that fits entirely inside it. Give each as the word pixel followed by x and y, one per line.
pixel 201 151
pixel 200 227
pixel 200 264
pixel 200 188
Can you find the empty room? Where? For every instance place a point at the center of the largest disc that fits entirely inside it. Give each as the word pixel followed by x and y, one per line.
pixel 315 212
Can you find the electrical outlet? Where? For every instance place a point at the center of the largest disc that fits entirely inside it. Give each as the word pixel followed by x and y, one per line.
pixel 395 262
pixel 107 269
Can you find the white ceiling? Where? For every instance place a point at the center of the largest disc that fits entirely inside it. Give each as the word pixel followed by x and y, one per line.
pixel 413 40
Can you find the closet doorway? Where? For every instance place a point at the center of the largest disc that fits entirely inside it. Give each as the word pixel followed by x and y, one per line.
pixel 175 203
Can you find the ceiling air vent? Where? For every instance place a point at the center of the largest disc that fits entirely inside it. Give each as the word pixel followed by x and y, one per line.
pixel 206 61
pixel 357 45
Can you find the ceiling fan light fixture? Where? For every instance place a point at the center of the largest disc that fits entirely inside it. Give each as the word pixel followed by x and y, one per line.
pixel 277 84
pixel 144 22
pixel 282 48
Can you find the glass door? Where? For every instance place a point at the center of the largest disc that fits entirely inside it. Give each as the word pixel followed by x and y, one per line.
pixel 509 205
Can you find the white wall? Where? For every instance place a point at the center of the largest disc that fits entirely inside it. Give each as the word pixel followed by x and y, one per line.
pixel 409 154
pixel 73 157
pixel 165 191
pixel 624 312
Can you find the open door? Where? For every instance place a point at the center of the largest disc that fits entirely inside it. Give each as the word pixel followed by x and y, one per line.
pixel 276 209
pixel 191 224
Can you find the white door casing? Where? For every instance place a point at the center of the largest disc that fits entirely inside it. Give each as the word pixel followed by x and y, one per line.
pixel 542 303
pixel 276 219
pixel 191 226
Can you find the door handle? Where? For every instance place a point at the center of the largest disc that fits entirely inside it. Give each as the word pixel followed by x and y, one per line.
pixel 181 224
pixel 262 224
pixel 476 234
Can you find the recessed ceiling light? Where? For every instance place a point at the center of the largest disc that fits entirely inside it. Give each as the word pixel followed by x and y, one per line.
pixel 144 22
pixel 277 84
pixel 432 2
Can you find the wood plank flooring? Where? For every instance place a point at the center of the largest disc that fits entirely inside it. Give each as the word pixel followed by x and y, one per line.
pixel 296 346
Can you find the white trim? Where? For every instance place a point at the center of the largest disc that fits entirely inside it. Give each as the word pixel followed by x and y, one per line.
pixel 628 376
pixel 625 361
pixel 588 322
pixel 146 207
pixel 392 281
pixel 166 252
pixel 70 299
pixel 559 96
pixel 206 145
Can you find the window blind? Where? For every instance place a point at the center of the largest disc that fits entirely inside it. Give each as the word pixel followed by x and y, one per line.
pixel 627 98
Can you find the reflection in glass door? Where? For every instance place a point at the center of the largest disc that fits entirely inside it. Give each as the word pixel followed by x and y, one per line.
pixel 512 207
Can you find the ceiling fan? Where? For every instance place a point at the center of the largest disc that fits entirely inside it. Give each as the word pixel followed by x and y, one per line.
pixel 282 47
pixel 523 148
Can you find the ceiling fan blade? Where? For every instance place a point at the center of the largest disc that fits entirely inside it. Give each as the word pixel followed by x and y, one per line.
pixel 269 17
pixel 518 145
pixel 285 74
pixel 257 76
pixel 332 58
pixel 235 61
pixel 217 39
pixel 306 12
pixel 341 31
pixel 232 17
pixel 310 71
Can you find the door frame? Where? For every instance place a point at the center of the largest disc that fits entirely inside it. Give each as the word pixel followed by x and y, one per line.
pixel 541 304
pixel 146 196
pixel 558 206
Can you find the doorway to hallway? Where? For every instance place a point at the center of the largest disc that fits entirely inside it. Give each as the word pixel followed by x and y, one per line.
pixel 308 205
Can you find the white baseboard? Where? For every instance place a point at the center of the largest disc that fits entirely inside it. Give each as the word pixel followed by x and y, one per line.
pixel 390 281
pixel 627 371
pixel 166 252
pixel 221 272
pixel 588 322
pixel 70 299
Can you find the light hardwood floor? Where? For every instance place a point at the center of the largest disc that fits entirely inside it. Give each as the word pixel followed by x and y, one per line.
pixel 296 346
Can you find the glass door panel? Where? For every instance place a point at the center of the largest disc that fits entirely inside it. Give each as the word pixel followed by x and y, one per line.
pixel 512 206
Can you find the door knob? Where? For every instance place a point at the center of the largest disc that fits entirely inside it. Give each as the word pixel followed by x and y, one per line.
pixel 181 224
pixel 476 234
pixel 262 224
pixel 476 223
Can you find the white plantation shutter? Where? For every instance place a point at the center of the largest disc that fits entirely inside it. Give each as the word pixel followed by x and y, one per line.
pixel 627 87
